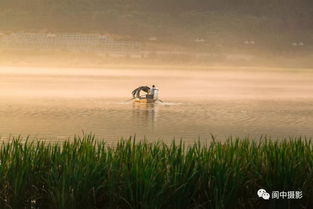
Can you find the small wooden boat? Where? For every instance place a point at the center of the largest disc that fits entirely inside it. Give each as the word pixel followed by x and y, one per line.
pixel 150 96
pixel 145 100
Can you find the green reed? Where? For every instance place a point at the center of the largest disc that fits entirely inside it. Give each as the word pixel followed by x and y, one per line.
pixel 87 173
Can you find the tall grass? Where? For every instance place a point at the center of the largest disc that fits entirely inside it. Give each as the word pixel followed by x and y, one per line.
pixel 86 173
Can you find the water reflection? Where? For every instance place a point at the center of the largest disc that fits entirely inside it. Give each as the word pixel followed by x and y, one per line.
pixel 145 114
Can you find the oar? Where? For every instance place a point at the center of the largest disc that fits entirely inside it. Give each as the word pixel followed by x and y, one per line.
pixel 160 100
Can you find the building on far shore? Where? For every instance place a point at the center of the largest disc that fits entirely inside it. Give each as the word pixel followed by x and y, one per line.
pixel 68 41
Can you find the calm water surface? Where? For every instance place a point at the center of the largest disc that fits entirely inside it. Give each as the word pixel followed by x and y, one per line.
pixel 58 103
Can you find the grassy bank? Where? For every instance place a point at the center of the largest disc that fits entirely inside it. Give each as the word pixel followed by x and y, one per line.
pixel 86 173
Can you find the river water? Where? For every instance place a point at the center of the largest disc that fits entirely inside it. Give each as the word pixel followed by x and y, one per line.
pixel 57 103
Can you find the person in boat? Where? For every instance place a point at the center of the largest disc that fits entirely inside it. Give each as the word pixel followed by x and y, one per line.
pixel 137 91
pixel 150 94
pixel 152 90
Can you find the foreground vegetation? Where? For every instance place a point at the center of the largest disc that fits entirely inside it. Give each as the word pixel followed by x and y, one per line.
pixel 87 173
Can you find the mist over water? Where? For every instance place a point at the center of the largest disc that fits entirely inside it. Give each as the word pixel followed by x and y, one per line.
pixel 58 103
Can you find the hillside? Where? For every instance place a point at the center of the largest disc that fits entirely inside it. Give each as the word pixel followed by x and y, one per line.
pixel 278 27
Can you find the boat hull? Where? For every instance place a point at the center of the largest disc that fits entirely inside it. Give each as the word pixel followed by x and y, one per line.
pixel 145 100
